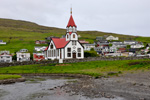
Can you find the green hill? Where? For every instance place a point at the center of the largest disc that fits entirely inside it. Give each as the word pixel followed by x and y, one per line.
pixel 22 34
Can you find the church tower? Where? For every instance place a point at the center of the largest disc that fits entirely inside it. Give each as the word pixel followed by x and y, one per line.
pixel 71 29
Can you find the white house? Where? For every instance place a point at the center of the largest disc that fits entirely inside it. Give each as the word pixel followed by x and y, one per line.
pixel 88 47
pixel 40 48
pixel 23 50
pixel 1 42
pixel 66 48
pixel 130 42
pixel 112 38
pixel 5 57
pixel 137 46
pixel 22 55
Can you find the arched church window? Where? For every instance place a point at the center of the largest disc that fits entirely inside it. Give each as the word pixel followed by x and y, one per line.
pixel 67 36
pixel 70 29
pixel 74 29
pixel 74 36
pixel 51 46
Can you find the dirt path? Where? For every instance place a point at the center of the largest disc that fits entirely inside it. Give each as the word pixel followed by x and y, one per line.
pixel 132 86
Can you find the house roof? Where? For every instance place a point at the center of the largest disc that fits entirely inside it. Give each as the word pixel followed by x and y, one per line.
pixel 70 33
pixel 130 41
pixel 5 54
pixel 71 22
pixel 60 42
pixel 46 48
pixel 83 42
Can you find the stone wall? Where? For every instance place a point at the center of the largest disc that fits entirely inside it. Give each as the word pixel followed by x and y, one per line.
pixel 72 61
pixel 103 59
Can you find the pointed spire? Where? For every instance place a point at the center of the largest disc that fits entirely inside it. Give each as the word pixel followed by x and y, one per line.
pixel 71 21
pixel 71 11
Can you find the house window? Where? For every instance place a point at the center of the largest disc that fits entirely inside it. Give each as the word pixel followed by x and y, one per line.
pixel 50 53
pixel 7 60
pixel 79 54
pixel 69 52
pixel 70 29
pixel 79 49
pixel 54 53
pixel 74 29
pixel 74 36
pixel 73 42
pixel 68 49
pixel 51 46
pixel 58 52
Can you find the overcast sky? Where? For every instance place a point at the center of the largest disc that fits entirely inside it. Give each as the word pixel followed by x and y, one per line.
pixel 118 16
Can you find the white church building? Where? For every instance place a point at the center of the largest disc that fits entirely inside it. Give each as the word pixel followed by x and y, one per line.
pixel 66 48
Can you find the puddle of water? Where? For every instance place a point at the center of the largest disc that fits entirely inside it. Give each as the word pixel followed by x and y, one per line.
pixel 38 88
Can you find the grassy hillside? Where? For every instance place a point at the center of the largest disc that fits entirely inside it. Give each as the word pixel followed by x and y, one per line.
pixel 22 34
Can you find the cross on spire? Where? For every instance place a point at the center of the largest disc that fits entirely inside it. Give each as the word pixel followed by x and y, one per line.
pixel 71 11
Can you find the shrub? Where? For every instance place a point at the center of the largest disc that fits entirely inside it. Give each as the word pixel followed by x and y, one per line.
pixel 14 57
pixel 90 54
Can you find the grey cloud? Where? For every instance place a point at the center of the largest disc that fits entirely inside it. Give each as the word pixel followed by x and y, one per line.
pixel 120 16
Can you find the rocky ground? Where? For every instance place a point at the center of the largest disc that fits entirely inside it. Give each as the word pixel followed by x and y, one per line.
pixel 10 81
pixel 131 86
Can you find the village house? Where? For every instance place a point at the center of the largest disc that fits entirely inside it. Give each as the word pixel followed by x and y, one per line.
pixel 1 42
pixel 133 50
pixel 110 38
pixel 5 57
pixel 66 48
pixel 23 55
pixel 137 46
pixel 102 48
pixel 40 42
pixel 148 46
pixel 113 54
pixel 40 48
pixel 130 42
pixel 49 38
pixel 118 45
pixel 87 46
pixel 38 54
pixel 121 50
pixel 23 50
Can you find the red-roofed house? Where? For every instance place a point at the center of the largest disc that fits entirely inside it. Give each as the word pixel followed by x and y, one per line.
pixel 66 48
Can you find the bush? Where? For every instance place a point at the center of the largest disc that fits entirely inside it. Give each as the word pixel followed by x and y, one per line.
pixel 90 54
pixel 31 56
pixel 14 57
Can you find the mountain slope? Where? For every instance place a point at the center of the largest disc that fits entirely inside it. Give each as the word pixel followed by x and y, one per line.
pixel 22 34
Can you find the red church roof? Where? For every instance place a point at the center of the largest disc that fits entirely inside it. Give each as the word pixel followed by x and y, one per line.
pixel 71 22
pixel 60 42
pixel 46 48
pixel 70 33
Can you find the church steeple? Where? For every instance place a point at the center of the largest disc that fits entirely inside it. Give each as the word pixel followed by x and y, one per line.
pixel 71 27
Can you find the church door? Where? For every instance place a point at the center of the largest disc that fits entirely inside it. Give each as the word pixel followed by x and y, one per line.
pixel 74 55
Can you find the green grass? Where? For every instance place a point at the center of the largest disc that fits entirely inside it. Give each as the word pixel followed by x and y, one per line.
pixel 93 68
pixel 3 77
